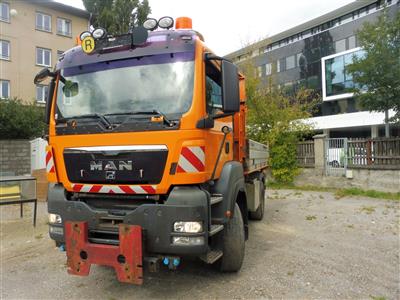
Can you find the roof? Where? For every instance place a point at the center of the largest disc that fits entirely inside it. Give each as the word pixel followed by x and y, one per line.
pixel 62 7
pixel 306 25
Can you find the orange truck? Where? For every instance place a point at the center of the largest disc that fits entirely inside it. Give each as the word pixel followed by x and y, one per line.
pixel 147 157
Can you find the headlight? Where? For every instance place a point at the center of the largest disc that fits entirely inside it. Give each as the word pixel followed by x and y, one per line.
pixel 56 230
pixel 55 219
pixel 84 34
pixel 188 241
pixel 150 24
pixel 188 227
pixel 99 33
pixel 166 22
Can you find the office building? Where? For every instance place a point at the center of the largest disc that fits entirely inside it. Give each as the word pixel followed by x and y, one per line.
pixel 314 55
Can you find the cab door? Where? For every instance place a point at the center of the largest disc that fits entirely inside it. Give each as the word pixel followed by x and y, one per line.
pixel 215 135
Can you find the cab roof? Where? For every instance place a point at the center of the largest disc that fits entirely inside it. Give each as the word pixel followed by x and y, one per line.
pixel 158 42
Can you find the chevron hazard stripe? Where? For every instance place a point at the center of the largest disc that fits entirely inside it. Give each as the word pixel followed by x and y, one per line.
pixel 49 162
pixel 191 160
pixel 114 189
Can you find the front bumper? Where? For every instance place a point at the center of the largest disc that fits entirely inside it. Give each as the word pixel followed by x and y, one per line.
pixel 156 220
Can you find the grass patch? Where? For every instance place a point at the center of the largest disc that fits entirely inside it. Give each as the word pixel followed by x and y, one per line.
pixel 339 193
pixel 367 209
pixel 377 297
pixel 311 218
pixel 367 193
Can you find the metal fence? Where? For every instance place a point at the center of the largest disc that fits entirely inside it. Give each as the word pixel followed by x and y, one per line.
pixel 305 154
pixel 380 153
pixel 336 156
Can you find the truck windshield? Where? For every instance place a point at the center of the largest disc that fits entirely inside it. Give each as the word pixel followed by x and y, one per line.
pixel 160 82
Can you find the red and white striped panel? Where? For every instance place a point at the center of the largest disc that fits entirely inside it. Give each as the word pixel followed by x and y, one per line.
pixel 114 189
pixel 50 162
pixel 192 159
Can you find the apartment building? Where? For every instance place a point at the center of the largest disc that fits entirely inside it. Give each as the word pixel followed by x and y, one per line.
pixel 33 33
pixel 314 55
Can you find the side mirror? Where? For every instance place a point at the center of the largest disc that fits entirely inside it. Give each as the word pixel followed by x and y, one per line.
pixel 43 75
pixel 230 87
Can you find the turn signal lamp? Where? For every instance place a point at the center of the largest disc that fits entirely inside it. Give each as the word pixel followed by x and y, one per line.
pixel 183 23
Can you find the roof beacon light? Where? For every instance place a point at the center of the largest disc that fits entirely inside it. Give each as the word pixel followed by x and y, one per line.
pixel 99 33
pixel 150 24
pixel 84 34
pixel 183 23
pixel 166 22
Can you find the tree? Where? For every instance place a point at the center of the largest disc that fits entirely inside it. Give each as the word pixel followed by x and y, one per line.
pixel 116 15
pixel 20 121
pixel 276 119
pixel 377 73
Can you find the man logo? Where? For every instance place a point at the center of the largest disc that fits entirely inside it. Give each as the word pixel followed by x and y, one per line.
pixel 120 165
pixel 110 175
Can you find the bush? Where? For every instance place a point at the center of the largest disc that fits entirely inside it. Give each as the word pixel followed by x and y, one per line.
pixel 20 121
pixel 275 119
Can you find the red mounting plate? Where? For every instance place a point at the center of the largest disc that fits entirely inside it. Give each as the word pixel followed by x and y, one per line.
pixel 125 258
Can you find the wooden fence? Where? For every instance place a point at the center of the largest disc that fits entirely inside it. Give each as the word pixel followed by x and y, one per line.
pixel 379 153
pixel 305 154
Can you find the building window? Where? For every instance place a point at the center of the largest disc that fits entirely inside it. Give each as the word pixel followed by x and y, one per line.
pixel 340 46
pixel 290 62
pixel 337 83
pixel 4 50
pixel 41 93
pixel 5 89
pixel 268 69
pixel 43 22
pixel 43 57
pixel 4 12
pixel 280 65
pixel 64 27
pixel 259 71
pixel 352 42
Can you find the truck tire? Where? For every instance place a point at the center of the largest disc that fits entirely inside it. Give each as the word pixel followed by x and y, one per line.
pixel 233 243
pixel 258 215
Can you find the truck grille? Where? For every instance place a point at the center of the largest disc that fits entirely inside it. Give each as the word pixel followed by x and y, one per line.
pixel 116 165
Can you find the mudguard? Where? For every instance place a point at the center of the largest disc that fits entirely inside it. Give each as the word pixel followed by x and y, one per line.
pixel 229 184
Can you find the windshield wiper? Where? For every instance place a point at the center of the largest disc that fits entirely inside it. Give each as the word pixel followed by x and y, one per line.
pixel 102 118
pixel 151 112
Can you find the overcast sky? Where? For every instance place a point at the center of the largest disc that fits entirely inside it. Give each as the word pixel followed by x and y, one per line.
pixel 227 25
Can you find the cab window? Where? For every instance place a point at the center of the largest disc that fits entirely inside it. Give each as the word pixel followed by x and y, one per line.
pixel 213 89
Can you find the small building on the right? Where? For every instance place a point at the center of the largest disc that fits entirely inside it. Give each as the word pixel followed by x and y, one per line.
pixel 314 55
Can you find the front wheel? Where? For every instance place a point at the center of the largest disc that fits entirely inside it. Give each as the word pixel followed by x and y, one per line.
pixel 233 243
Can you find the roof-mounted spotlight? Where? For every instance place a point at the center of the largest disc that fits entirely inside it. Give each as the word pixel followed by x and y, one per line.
pixel 166 22
pixel 84 35
pixel 99 33
pixel 150 24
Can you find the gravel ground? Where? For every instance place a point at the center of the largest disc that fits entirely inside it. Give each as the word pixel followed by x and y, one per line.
pixel 310 245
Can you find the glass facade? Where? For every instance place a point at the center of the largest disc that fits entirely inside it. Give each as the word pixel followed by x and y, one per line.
pixel 337 80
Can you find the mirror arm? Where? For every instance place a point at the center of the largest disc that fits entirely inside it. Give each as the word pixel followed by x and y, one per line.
pixel 210 56
pixel 62 79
